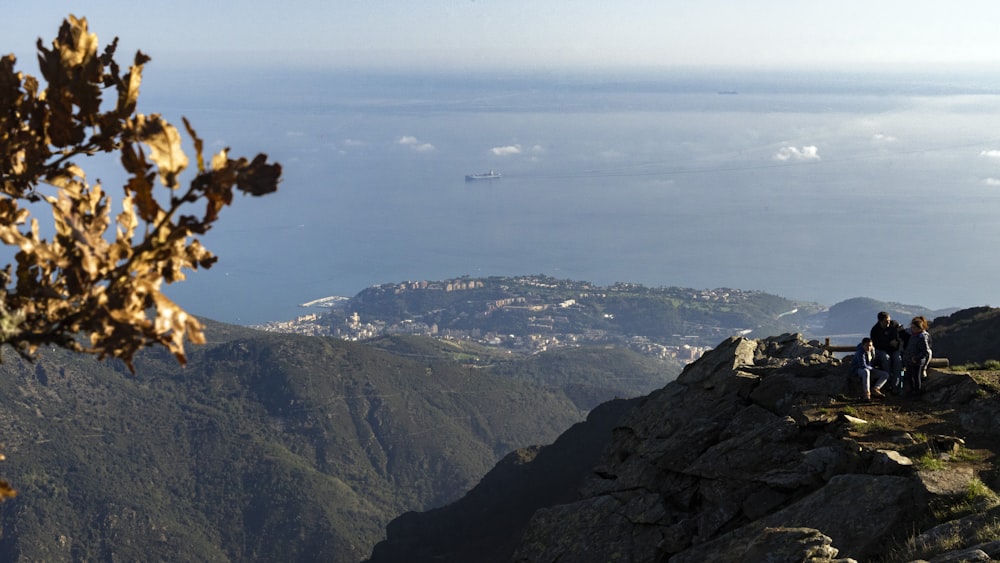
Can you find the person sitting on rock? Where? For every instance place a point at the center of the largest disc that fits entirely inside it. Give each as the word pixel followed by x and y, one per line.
pixel 887 337
pixel 861 366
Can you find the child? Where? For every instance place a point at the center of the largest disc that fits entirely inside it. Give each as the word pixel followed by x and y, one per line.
pixel 916 356
pixel 861 366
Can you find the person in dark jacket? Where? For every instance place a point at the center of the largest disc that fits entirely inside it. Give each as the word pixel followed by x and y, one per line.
pixel 916 356
pixel 861 366
pixel 887 337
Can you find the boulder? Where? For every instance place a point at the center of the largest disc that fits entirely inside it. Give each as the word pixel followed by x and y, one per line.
pixel 841 509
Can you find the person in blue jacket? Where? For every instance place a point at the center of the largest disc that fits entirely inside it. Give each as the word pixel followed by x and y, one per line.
pixel 861 366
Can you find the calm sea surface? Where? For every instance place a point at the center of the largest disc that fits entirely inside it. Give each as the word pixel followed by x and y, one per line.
pixel 813 187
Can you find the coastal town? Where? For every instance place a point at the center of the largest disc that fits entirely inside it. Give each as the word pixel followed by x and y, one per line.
pixel 531 314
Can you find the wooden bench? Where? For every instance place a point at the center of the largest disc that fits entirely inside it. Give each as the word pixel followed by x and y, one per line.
pixel 934 363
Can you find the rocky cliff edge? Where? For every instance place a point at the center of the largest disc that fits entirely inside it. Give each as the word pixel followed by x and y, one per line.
pixel 758 453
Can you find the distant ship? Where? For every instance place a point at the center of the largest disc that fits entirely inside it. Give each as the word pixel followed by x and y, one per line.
pixel 491 175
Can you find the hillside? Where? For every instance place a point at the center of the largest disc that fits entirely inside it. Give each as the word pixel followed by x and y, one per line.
pixel 755 449
pixel 536 313
pixel 970 336
pixel 590 375
pixel 856 316
pixel 266 447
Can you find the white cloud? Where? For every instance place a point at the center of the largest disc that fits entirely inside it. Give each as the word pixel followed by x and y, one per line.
pixel 992 181
pixel 809 152
pixel 883 138
pixel 992 153
pixel 415 143
pixel 353 143
pixel 506 151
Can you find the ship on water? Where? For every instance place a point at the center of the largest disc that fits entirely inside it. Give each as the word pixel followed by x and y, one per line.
pixel 491 175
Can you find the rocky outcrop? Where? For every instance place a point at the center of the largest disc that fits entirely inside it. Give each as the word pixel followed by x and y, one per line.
pixel 748 456
pixel 736 458
pixel 969 334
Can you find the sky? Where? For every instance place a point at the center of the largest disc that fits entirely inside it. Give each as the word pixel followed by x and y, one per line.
pixel 549 35
pixel 461 34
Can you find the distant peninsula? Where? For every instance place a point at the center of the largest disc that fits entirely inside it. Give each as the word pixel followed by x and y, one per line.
pixel 533 313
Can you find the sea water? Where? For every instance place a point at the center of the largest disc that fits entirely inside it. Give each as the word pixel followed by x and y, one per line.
pixel 812 186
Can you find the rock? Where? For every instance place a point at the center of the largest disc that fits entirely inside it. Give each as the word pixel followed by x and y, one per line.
pixel 782 392
pixel 962 556
pixel 953 482
pixel 854 420
pixel 610 528
pixel 963 531
pixel 834 509
pixel 828 461
pixel 947 387
pixel 791 545
pixel 890 462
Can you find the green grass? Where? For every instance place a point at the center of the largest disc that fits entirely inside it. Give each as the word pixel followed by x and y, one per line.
pixel 989 532
pixel 965 454
pixel 977 492
pixel 879 427
pixel 931 462
pixel 988 365
pixel 977 498
pixel 915 549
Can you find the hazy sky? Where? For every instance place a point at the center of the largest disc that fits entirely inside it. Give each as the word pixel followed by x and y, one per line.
pixel 528 33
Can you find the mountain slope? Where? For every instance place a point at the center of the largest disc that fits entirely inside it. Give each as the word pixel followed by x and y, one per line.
pixel 968 336
pixel 495 512
pixel 755 451
pixel 858 315
pixel 266 447
pixel 590 375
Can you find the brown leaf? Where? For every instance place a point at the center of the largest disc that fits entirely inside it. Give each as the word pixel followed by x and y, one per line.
pixel 142 190
pixel 259 177
pixel 198 145
pixel 165 147
pixel 129 94
pixel 174 323
pixel 76 44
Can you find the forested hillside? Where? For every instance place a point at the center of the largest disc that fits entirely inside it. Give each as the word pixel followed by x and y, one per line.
pixel 266 447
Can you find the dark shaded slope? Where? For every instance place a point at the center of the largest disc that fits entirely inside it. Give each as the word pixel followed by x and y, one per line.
pixel 487 523
pixel 968 336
